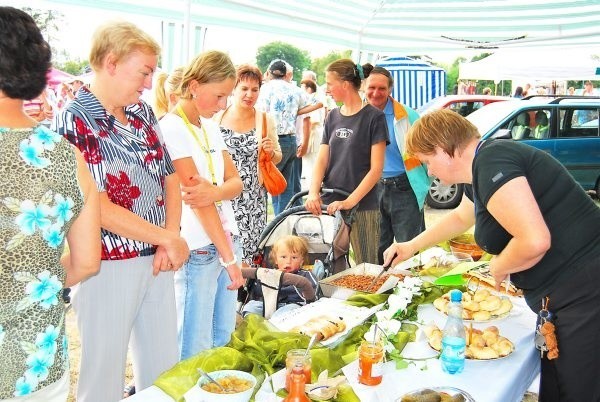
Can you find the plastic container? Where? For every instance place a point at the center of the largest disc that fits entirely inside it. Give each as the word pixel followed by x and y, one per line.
pixel 453 336
pixel 465 243
pixel 370 363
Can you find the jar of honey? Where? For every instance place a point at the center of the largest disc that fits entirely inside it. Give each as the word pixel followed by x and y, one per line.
pixel 296 357
pixel 370 363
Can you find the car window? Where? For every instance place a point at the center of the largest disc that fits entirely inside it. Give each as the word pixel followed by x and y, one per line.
pixel 579 122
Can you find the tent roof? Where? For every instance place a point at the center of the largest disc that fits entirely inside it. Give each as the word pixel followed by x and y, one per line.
pixel 531 65
pixel 390 26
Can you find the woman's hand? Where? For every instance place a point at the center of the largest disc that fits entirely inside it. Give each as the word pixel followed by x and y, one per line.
pixel 161 261
pixel 396 253
pixel 313 204
pixel 235 274
pixel 202 194
pixel 267 146
pixel 335 206
pixel 498 277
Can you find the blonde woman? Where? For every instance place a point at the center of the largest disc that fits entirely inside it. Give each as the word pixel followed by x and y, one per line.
pixel 351 157
pixel 206 286
pixel 132 296
pixel 166 91
pixel 242 129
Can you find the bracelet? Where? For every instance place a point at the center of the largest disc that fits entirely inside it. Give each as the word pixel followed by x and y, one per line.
pixel 226 264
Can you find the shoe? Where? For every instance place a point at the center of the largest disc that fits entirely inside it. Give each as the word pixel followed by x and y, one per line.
pixel 129 390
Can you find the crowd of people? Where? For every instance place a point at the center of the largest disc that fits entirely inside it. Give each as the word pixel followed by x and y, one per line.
pixel 162 206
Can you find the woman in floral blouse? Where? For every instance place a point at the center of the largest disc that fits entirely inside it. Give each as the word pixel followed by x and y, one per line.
pixel 132 297
pixel 47 195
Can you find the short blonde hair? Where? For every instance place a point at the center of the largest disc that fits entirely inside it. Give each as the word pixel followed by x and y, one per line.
pixel 166 84
pixel 295 244
pixel 442 128
pixel 120 38
pixel 207 67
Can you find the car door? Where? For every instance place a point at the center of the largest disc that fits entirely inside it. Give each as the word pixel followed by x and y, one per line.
pixel 577 143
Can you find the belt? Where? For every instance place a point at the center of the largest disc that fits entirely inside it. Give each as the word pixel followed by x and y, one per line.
pixel 392 180
pixel 286 135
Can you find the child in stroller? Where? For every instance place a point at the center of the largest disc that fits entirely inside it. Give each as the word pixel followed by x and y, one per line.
pixel 288 254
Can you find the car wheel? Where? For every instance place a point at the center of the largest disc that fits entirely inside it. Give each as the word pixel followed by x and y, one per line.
pixel 441 196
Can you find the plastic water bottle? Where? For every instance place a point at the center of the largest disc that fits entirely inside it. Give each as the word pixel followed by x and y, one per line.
pixel 453 336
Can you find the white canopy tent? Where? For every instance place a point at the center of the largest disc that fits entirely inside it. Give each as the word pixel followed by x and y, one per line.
pixel 558 64
pixel 383 26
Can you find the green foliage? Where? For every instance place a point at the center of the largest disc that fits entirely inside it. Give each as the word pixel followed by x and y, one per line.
pixel 297 58
pixel 74 67
pixel 320 63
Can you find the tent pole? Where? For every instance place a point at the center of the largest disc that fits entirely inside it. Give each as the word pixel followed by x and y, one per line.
pixel 187 12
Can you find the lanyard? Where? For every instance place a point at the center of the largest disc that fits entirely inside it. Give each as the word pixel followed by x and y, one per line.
pixel 205 147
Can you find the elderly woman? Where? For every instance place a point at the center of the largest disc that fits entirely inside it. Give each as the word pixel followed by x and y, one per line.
pixel 543 229
pixel 206 286
pixel 46 195
pixel 132 298
pixel 242 129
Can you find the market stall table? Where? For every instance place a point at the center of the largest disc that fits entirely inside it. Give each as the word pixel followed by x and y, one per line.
pixel 501 380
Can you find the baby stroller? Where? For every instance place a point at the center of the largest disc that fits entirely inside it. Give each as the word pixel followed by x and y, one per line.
pixel 328 239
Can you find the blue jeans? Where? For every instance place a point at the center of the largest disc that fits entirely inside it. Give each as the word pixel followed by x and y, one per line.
pixel 400 218
pixel 287 166
pixel 206 309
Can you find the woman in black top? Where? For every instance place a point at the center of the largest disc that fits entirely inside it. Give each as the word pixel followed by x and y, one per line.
pixel 543 229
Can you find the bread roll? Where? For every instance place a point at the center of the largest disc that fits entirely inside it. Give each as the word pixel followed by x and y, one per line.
pixel 441 304
pixel 505 307
pixel 483 353
pixel 491 303
pixel 481 294
pixel 471 306
pixel 503 347
pixel 482 315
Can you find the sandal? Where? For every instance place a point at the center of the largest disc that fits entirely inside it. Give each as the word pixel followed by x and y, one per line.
pixel 129 390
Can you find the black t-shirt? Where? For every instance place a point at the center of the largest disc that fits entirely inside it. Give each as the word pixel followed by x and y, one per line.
pixel 572 217
pixel 350 139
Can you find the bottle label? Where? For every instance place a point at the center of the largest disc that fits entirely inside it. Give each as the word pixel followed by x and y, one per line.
pixel 377 369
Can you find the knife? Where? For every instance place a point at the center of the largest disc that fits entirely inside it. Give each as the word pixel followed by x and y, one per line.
pixel 383 269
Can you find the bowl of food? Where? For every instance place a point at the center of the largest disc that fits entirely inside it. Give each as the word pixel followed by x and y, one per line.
pixel 238 387
pixel 465 243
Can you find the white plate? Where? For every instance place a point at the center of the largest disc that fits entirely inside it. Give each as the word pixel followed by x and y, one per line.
pixel 351 315
pixel 448 390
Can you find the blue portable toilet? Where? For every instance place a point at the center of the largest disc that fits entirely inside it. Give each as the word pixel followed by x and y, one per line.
pixel 415 81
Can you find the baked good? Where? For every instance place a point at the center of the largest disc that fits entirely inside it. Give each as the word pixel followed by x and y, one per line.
pixel 481 305
pixel 487 281
pixel 323 326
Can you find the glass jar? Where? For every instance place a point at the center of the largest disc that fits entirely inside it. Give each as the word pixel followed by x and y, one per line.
pixel 296 357
pixel 370 363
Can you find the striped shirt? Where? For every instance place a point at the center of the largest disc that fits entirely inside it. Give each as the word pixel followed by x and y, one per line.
pixel 129 162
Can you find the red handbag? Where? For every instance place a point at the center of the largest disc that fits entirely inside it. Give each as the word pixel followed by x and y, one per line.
pixel 273 180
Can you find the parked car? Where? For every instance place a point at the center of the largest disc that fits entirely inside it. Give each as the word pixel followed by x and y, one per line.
pixel 443 196
pixel 461 104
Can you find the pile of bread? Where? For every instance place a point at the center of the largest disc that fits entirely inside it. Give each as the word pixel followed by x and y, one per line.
pixel 481 305
pixel 485 279
pixel 323 326
pixel 481 345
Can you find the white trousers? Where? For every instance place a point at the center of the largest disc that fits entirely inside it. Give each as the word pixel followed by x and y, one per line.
pixel 124 305
pixel 55 392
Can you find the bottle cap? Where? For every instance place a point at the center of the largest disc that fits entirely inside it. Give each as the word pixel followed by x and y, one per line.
pixel 456 296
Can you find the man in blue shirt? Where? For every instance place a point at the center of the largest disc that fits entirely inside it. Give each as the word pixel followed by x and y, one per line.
pixel 404 182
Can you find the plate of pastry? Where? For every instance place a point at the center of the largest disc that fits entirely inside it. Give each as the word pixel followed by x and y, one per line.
pixel 486 344
pixel 481 305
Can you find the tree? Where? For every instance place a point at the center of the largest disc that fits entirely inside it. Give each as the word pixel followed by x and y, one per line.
pixel 297 58
pixel 48 21
pixel 320 64
pixel 73 67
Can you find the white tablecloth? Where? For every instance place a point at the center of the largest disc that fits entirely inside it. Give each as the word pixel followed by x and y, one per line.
pixel 502 380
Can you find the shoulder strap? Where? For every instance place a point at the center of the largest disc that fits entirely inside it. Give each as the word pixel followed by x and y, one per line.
pixel 264 124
